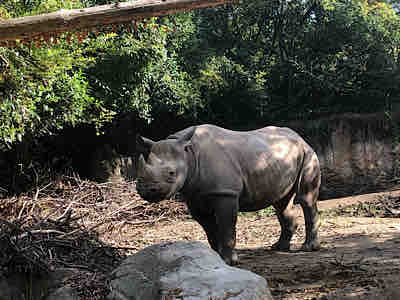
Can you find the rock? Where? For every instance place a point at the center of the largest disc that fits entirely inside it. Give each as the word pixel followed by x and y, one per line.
pixel 183 270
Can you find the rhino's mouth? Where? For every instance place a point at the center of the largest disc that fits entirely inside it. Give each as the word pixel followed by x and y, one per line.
pixel 152 193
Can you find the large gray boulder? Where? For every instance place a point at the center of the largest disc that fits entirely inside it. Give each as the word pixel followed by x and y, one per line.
pixel 184 270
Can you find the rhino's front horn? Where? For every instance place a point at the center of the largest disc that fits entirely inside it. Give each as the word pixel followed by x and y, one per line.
pixel 153 159
pixel 141 166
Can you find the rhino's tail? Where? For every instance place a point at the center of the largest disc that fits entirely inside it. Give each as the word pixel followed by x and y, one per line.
pixel 309 177
pixel 297 185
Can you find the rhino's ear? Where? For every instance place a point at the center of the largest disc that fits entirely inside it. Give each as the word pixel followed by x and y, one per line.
pixel 183 135
pixel 187 135
pixel 143 145
pixel 188 147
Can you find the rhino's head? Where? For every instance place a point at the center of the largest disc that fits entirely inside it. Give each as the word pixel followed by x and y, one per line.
pixel 163 173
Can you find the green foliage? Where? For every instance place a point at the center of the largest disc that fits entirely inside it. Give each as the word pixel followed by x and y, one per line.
pixel 262 213
pixel 299 58
pixel 43 91
pixel 48 88
pixel 137 73
pixel 18 8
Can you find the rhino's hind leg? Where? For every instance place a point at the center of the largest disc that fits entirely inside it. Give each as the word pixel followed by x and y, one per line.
pixel 308 203
pixel 309 191
pixel 287 221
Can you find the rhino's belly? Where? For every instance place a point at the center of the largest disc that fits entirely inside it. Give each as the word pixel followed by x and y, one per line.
pixel 248 202
pixel 260 195
pixel 247 206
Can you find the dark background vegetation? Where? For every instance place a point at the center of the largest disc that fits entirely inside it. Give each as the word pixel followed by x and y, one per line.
pixel 240 66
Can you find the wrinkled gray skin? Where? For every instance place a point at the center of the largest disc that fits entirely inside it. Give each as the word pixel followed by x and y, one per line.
pixel 219 172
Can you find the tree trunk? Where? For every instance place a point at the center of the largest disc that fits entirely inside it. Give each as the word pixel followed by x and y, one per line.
pixel 27 28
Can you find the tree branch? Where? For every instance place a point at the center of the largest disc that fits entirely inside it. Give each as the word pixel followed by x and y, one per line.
pixel 80 19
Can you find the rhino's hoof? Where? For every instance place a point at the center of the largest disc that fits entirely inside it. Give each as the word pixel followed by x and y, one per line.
pixel 232 261
pixel 281 246
pixel 311 246
pixel 235 259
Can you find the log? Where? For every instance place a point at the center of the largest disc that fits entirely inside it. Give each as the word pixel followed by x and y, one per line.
pixel 26 28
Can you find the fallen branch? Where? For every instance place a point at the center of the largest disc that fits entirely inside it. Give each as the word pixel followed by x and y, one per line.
pixel 146 221
pixel 27 28
pixel 38 231
pixel 5 67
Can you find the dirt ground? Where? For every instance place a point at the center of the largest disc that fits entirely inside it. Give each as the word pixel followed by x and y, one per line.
pixel 360 235
pixel 359 259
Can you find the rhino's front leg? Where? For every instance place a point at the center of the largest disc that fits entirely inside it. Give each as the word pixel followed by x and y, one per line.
pixel 209 224
pixel 226 209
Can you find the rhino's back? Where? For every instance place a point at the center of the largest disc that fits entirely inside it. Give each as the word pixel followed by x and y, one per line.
pixel 277 140
pixel 259 164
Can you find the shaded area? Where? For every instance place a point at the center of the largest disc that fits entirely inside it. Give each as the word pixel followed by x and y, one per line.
pixel 39 245
pixel 39 254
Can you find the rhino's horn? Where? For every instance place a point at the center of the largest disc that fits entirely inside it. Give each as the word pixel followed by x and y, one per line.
pixel 141 170
pixel 154 160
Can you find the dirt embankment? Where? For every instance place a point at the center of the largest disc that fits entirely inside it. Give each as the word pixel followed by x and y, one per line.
pixel 358 153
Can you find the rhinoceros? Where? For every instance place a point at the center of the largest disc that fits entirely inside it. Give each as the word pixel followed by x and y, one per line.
pixel 219 172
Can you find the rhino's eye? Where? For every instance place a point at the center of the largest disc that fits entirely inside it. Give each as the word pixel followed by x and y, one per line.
pixel 171 173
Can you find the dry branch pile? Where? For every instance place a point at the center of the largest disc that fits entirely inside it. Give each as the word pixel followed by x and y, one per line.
pixel 35 247
pixel 65 224
pixel 383 207
pixel 94 203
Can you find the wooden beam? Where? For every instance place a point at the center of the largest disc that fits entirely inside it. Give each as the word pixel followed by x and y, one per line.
pixel 27 28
